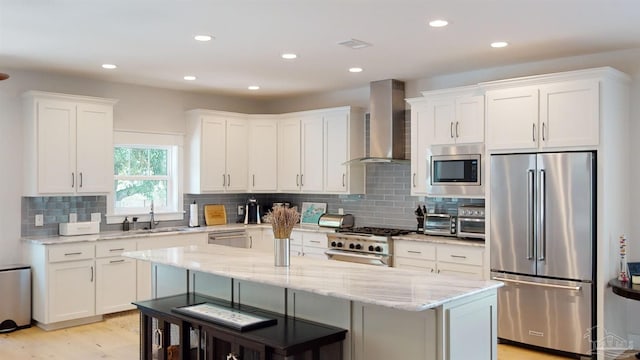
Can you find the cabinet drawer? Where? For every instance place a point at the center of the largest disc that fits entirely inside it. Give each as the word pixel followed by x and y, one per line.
pixel 414 250
pixel 114 248
pixel 414 264
pixel 70 252
pixel 314 240
pixel 460 255
pixel 468 271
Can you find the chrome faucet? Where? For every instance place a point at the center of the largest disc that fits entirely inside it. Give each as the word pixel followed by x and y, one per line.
pixel 152 222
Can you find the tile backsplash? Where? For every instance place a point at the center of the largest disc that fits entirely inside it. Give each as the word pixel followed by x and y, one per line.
pixel 387 203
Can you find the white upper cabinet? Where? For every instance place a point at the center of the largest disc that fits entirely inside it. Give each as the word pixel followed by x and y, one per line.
pixel 564 113
pixel 289 155
pixel 68 144
pixel 456 116
pixel 263 154
pixel 420 141
pixel 343 141
pixel 216 152
pixel 311 174
pixel 300 153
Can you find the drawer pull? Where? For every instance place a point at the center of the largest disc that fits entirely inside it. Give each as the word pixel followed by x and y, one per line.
pixel 73 253
pixel 116 261
pixel 459 256
pixel 120 249
pixel 315 241
pixel 414 252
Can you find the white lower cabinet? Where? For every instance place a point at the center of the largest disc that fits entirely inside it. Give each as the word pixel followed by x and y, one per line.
pixel 115 285
pixel 448 259
pixel 71 290
pixel 311 244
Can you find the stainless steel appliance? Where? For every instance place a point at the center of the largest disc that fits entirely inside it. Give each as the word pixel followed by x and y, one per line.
pixel 455 170
pixel 471 222
pixel 542 241
pixel 440 224
pixel 338 221
pixel 252 212
pixel 365 245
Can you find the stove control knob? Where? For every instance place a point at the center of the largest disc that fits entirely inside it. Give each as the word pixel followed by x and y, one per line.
pixel 378 248
pixel 339 244
pixel 358 246
pixel 370 247
pixel 351 246
pixel 333 244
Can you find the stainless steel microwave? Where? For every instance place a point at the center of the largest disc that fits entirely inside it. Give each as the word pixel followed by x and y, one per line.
pixel 455 170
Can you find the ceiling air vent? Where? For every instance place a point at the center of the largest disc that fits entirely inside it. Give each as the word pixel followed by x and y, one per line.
pixel 354 44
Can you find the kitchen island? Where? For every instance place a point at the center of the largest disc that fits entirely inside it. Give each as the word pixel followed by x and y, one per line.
pixel 389 313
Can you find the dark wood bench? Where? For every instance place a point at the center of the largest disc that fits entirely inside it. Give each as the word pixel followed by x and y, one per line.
pixel 168 335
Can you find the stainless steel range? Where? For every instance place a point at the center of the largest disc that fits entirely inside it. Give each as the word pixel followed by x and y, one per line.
pixel 366 245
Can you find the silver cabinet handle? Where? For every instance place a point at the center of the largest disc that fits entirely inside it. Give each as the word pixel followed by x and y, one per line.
pixel 458 256
pixel 297 179
pixel 344 176
pixel 73 253
pixel 254 180
pixel 116 261
pixel 544 127
pixel 91 273
pixel 524 282
pixel 158 337
pixel 542 236
pixel 533 133
pixel 414 252
pixel 118 249
pixel 224 180
pixel 301 179
pixel 414 179
pixel 73 180
pixel 457 135
pixel 451 129
pixel 80 179
pixel 228 180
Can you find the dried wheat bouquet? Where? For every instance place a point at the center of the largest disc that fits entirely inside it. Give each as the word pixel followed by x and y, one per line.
pixel 282 221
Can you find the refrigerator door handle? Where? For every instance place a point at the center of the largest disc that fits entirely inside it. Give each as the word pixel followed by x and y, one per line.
pixel 530 213
pixel 542 235
pixel 524 282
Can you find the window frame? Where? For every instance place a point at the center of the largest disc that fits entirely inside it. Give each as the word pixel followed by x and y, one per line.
pixel 172 142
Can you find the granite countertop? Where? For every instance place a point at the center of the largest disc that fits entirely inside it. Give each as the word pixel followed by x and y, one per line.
pixel 440 239
pixel 402 289
pixel 175 230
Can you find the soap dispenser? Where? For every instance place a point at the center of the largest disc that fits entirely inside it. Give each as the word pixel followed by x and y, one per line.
pixel 125 224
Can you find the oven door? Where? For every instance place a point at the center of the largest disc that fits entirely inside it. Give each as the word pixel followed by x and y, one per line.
pixel 438 224
pixel 471 228
pixel 360 258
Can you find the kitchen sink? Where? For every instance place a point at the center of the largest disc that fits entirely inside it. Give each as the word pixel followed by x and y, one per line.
pixel 162 230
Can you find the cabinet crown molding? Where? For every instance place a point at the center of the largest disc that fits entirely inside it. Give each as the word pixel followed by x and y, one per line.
pixel 68 97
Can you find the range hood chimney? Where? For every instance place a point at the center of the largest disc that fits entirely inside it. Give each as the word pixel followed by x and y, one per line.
pixel 386 123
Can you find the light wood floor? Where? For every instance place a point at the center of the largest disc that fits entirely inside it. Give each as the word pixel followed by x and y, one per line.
pixel 117 337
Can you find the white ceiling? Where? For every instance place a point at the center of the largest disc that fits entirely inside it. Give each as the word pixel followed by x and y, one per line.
pixel 152 43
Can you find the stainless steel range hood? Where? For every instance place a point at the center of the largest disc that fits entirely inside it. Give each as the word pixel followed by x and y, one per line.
pixel 386 123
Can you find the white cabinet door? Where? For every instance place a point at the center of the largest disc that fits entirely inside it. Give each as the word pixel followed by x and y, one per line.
pixel 289 155
pixel 213 175
pixel 237 153
pixel 71 290
pixel 336 151
pixel 469 127
pixel 311 177
pixel 56 146
pixel 442 118
pixel 94 148
pixel 512 119
pixel 569 114
pixel 420 142
pixel 263 155
pixel 115 284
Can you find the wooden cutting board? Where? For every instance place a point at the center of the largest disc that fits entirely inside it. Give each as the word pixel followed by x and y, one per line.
pixel 215 215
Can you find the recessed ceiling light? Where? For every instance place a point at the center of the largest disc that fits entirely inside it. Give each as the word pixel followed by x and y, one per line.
pixel 189 77
pixel 109 66
pixel 203 37
pixel 499 44
pixel 355 69
pixel 289 56
pixel 253 87
pixel 438 23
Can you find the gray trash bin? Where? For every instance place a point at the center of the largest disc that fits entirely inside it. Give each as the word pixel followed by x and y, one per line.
pixel 15 297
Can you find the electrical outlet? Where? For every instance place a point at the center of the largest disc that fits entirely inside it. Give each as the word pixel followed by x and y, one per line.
pixel 39 220
pixel 73 217
pixel 96 217
pixel 340 211
pixel 240 210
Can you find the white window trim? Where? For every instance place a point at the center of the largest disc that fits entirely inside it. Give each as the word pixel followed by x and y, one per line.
pixel 151 139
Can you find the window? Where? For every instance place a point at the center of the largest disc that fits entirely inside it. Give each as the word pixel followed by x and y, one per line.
pixel 146 168
pixel 142 176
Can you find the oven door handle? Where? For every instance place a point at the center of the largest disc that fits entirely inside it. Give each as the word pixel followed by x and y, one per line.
pixel 331 253
pixel 470 219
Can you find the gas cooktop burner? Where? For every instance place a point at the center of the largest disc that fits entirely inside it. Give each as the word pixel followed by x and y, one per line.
pixel 378 231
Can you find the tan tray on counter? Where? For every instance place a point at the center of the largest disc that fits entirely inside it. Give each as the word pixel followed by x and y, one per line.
pixel 215 215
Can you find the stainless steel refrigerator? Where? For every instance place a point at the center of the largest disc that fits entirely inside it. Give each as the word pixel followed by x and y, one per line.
pixel 542 239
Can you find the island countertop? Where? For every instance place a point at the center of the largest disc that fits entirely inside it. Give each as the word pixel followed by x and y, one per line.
pixel 402 289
